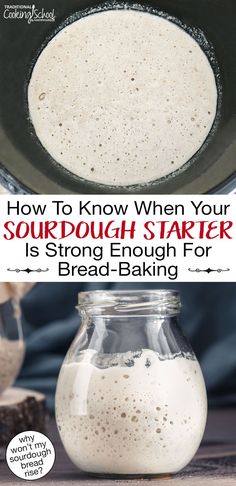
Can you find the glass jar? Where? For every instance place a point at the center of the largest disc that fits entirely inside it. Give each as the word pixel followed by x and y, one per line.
pixel 12 347
pixel 131 399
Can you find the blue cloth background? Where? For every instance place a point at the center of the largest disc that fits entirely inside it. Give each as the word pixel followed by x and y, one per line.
pixel 208 319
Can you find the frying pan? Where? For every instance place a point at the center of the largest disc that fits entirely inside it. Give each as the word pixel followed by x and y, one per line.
pixel 26 167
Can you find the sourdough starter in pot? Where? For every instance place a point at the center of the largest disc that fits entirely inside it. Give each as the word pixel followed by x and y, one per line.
pixel 11 358
pixel 138 415
pixel 122 97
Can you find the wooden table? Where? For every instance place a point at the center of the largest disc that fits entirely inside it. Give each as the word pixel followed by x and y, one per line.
pixel 214 464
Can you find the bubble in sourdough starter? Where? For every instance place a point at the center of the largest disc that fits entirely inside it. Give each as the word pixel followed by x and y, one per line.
pixel 30 455
pixel 122 97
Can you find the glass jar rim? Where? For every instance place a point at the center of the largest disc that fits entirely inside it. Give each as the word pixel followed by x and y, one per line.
pixel 151 301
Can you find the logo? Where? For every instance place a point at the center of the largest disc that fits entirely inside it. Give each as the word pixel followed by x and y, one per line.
pixel 29 13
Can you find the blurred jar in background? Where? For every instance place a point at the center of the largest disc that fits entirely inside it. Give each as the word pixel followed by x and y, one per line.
pixel 12 348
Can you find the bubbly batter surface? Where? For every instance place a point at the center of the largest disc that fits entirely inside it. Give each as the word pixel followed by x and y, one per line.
pixel 144 417
pixel 122 97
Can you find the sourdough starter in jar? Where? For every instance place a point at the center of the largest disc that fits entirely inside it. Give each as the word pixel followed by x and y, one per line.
pixel 131 413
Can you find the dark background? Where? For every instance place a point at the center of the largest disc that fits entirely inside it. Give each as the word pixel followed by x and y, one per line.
pixel 208 319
